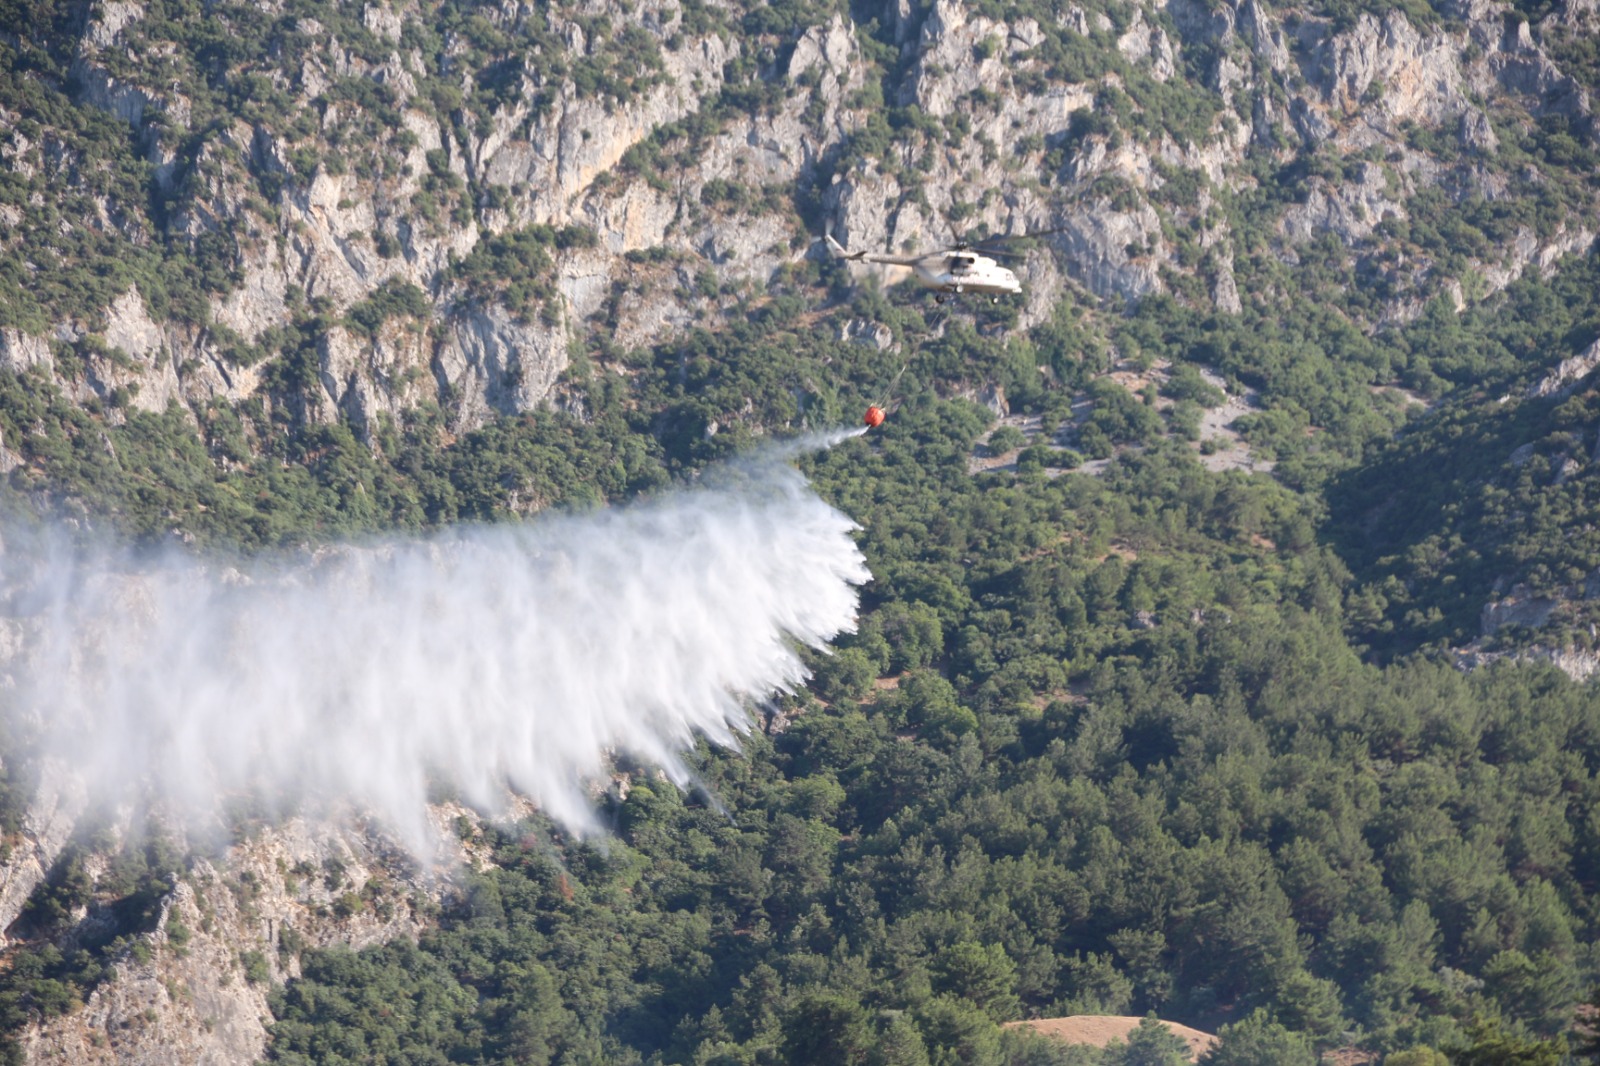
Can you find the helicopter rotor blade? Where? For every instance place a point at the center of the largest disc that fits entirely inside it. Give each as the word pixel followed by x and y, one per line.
pixel 959 242
pixel 994 241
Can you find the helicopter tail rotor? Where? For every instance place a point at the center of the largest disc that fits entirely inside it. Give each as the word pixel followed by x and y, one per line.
pixel 837 250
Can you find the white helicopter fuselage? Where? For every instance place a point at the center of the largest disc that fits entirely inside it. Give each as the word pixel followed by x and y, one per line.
pixel 957 271
pixel 966 273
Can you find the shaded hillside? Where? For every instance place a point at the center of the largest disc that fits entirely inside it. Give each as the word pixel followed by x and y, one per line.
pixel 1490 495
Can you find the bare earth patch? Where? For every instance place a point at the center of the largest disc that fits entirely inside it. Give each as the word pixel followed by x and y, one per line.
pixel 1217 424
pixel 1100 1030
pixel 1225 450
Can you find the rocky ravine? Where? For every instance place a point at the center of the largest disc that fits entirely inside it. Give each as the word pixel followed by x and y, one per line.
pixel 194 989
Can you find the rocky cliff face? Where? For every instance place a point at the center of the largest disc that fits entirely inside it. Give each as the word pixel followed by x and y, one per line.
pixel 380 150
pixel 194 988
pixel 52 813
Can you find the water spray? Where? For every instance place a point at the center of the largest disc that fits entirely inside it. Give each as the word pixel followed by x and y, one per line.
pixel 515 656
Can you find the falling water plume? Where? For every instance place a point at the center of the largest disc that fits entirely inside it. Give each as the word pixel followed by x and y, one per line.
pixel 517 655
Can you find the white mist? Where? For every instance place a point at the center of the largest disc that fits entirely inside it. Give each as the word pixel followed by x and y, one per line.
pixel 515 655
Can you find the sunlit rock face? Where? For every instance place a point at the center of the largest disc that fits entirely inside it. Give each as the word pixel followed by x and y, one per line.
pixel 399 183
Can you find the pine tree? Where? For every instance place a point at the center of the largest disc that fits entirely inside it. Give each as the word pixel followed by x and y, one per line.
pixel 1260 1041
pixel 1492 1045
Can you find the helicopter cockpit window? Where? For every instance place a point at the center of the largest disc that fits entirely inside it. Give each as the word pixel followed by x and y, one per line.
pixel 961 264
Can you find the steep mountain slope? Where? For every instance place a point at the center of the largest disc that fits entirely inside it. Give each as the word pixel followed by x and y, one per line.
pixel 451 197
pixel 1494 546
pixel 272 273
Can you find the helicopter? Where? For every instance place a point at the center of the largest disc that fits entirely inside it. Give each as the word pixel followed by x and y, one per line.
pixel 963 267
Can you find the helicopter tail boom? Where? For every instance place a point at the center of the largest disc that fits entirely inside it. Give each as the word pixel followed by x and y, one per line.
pixel 839 251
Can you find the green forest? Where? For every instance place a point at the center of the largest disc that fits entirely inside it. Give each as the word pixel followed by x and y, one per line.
pixel 1121 743
pixel 1119 733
